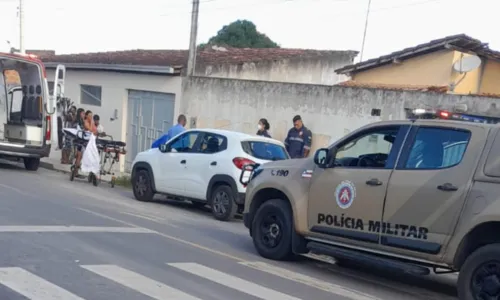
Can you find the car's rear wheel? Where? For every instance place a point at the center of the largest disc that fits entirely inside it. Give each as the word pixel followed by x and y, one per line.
pixel 272 229
pixel 479 277
pixel 222 203
pixel 31 164
pixel 142 188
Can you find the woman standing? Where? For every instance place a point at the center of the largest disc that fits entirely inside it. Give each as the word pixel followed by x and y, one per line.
pixel 263 128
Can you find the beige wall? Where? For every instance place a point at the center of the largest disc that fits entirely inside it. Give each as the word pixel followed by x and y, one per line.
pixel 330 112
pixel 430 69
pixel 115 94
pixel 490 83
pixel 311 71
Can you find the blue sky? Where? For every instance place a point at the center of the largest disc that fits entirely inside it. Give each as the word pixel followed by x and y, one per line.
pixel 74 26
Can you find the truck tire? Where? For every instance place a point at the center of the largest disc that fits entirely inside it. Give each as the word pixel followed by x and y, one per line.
pixel 222 203
pixel 479 277
pixel 141 187
pixel 31 164
pixel 272 229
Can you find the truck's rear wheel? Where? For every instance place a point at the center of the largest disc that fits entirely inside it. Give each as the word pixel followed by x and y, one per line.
pixel 479 277
pixel 272 230
pixel 31 164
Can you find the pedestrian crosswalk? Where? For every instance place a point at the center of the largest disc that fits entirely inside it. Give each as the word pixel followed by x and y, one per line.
pixel 32 286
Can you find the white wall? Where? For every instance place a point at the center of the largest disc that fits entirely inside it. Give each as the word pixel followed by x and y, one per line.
pixel 115 94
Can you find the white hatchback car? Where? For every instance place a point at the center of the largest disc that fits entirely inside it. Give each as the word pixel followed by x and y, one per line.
pixel 203 166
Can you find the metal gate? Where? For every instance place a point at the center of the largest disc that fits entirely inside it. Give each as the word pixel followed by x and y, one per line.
pixel 150 114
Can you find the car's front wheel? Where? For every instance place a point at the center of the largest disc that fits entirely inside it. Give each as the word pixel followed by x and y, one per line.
pixel 272 229
pixel 479 277
pixel 142 188
pixel 222 203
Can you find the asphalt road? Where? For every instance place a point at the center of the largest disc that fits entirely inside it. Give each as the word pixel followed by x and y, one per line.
pixel 71 240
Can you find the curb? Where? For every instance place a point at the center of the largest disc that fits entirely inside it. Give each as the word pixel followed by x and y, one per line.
pixel 51 167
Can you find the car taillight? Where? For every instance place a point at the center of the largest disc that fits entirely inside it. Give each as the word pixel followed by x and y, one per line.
pixel 239 162
pixel 444 114
pixel 47 131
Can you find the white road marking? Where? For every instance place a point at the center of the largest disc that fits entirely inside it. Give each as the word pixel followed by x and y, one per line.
pixel 308 280
pixel 32 286
pixel 232 282
pixel 139 283
pixel 74 229
pixel 150 218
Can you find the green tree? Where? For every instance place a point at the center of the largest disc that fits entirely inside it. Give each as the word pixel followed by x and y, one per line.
pixel 241 34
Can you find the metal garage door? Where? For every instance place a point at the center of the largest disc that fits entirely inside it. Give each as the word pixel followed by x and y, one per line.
pixel 150 114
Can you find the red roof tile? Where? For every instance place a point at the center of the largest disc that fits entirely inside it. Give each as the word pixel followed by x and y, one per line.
pixel 179 57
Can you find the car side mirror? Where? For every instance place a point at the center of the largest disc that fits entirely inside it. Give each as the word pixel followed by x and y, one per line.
pixel 324 156
pixel 164 148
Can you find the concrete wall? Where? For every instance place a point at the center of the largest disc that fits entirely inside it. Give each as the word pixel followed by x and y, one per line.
pixel 330 112
pixel 115 94
pixel 310 70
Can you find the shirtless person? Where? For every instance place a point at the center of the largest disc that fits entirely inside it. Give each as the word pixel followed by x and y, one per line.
pixel 89 123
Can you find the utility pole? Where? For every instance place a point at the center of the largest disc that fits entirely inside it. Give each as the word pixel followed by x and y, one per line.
pixel 192 40
pixel 364 33
pixel 21 27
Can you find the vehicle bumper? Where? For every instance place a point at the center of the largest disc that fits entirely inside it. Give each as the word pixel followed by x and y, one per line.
pixel 27 151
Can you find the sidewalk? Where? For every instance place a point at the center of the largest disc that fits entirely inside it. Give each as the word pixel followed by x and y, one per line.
pixel 53 162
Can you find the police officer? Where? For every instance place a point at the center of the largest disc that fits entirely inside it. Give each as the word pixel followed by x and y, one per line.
pixel 299 139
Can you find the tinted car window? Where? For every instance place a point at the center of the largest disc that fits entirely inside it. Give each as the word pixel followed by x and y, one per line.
pixel 185 142
pixel 437 148
pixel 263 150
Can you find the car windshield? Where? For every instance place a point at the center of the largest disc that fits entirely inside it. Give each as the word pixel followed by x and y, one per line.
pixel 263 150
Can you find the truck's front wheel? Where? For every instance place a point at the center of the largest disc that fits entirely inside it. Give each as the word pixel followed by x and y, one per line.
pixel 479 277
pixel 272 230
pixel 31 164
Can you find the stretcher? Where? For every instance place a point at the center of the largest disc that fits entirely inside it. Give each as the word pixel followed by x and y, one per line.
pixel 108 148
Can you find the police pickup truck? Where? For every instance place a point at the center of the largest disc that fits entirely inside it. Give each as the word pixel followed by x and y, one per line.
pixel 413 195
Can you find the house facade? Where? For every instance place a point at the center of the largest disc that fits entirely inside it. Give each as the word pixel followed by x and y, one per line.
pixel 431 65
pixel 138 93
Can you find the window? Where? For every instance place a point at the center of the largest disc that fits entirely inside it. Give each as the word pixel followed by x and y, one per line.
pixel 263 150
pixel 370 150
pixel 437 148
pixel 90 94
pixel 51 87
pixel 213 143
pixel 184 143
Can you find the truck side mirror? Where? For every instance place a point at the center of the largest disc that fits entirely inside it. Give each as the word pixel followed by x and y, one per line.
pixel 324 157
pixel 320 157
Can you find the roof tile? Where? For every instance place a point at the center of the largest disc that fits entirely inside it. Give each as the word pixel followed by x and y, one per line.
pixel 404 87
pixel 175 58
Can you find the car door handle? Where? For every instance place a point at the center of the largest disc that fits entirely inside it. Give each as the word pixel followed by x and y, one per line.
pixel 374 182
pixel 183 161
pixel 448 187
pixel 214 163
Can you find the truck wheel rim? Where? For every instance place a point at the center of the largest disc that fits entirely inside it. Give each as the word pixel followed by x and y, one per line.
pixel 272 230
pixel 485 283
pixel 140 185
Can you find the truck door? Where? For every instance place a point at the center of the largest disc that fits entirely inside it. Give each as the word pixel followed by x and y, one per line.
pixel 428 188
pixel 346 201
pixel 57 93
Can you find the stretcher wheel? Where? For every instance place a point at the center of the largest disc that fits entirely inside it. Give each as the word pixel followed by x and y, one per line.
pixel 90 177
pixel 72 173
pixel 94 179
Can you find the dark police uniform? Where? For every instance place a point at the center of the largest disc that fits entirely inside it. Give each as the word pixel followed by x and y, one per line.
pixel 297 141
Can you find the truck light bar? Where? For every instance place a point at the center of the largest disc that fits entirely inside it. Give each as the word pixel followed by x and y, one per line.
pixel 430 113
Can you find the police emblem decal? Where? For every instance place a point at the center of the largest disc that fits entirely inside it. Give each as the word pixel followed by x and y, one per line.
pixel 345 194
